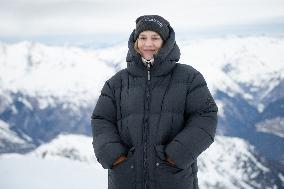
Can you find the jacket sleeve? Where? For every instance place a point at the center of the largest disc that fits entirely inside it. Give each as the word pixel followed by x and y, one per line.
pixel 106 140
pixel 200 125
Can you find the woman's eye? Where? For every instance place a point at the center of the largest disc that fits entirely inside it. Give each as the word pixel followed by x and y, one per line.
pixel 156 38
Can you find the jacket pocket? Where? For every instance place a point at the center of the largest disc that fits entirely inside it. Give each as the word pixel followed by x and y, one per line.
pixel 123 174
pixel 169 176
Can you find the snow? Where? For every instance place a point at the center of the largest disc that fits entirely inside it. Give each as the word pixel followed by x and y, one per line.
pixel 25 102
pixel 7 135
pixel 222 164
pixel 220 106
pixel 281 176
pixel 59 72
pixel 69 162
pixel 237 60
pixel 274 126
pixel 31 172
pixel 76 147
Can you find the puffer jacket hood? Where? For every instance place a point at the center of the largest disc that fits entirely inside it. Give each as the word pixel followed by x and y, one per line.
pixel 164 60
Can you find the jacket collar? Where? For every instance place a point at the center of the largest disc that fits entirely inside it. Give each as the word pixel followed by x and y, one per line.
pixel 164 61
pixel 145 61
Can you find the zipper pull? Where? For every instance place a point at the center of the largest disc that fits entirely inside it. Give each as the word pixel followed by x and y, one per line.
pixel 148 69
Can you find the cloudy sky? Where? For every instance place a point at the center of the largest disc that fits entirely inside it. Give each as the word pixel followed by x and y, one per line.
pixel 36 18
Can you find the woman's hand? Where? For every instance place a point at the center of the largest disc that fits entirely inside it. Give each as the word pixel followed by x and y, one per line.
pixel 119 160
pixel 168 159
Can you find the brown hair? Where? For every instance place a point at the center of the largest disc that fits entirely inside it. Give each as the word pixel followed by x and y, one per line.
pixel 136 45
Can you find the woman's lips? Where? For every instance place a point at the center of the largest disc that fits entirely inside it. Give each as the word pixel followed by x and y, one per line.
pixel 149 50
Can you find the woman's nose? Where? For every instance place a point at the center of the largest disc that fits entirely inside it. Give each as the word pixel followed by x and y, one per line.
pixel 148 42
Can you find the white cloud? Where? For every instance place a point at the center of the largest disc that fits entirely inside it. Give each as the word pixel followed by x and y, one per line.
pixel 41 17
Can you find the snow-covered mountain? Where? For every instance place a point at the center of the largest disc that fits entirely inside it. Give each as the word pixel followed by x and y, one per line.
pixel 71 146
pixel 248 66
pixel 49 90
pixel 10 141
pixel 228 163
pixel 232 162
pixel 69 74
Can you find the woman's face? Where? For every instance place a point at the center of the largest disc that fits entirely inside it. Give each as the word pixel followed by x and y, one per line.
pixel 149 43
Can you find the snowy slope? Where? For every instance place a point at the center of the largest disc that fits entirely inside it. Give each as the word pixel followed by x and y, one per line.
pixel 7 135
pixel 274 126
pixel 75 147
pixel 68 161
pixel 10 141
pixel 31 172
pixel 233 163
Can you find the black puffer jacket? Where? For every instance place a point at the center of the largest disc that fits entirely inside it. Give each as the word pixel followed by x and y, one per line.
pixel 146 118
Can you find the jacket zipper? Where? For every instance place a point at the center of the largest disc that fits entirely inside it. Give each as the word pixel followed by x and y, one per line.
pixel 146 125
pixel 148 69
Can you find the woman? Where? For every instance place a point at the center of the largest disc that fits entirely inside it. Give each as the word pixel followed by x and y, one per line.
pixel 154 118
